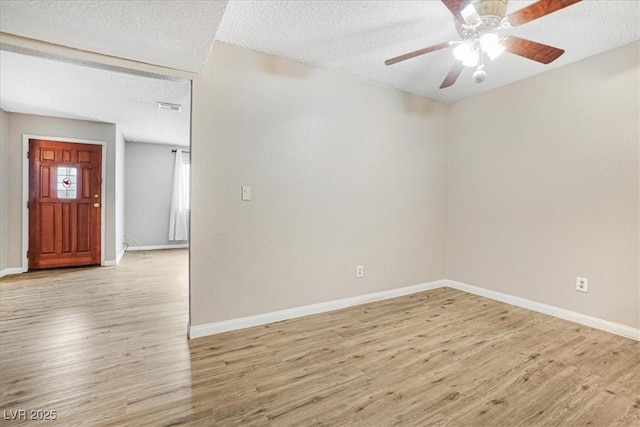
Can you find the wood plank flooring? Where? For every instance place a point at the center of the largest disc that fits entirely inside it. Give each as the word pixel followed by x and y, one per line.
pixel 107 346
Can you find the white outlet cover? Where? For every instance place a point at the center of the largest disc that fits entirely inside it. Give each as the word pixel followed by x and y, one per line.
pixel 582 284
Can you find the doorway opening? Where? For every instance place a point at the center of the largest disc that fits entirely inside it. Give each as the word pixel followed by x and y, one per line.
pixel 67 196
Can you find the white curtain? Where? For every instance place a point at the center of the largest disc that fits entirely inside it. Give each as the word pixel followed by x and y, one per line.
pixel 179 218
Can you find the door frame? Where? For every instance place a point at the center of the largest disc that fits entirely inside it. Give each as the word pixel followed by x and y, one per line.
pixel 25 191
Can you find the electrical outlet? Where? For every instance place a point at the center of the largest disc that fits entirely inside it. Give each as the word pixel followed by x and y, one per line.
pixel 359 271
pixel 582 284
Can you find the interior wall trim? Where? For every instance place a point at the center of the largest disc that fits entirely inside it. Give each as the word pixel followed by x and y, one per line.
pixel 42 52
pixel 198 331
pixel 306 310
pixel 119 256
pixel 112 262
pixel 8 271
pixel 572 316
pixel 156 247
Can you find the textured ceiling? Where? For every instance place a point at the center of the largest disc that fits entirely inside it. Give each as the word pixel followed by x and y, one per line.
pixel 355 37
pixel 174 34
pixel 41 86
pixel 351 37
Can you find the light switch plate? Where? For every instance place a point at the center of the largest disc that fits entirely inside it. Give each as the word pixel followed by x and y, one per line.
pixel 246 193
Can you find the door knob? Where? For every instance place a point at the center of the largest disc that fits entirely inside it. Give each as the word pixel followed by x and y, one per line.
pixel 96 196
pixel 96 205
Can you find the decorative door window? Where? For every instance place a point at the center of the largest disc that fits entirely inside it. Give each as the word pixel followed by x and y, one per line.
pixel 67 182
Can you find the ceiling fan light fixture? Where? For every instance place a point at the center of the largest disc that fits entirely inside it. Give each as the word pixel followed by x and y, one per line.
pixel 479 75
pixel 495 51
pixel 478 23
pixel 470 15
pixel 472 59
pixel 490 44
pixel 463 50
pixel 468 53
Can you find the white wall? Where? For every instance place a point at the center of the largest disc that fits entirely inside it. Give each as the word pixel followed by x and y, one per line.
pixel 343 172
pixel 544 187
pixel 20 124
pixel 149 184
pixel 4 190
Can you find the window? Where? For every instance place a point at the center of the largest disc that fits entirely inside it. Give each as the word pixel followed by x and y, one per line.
pixel 67 182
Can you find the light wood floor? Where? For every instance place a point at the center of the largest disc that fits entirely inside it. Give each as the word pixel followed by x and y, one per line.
pixel 107 346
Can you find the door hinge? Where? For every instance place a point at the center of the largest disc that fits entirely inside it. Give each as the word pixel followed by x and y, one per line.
pixel 27 205
pixel 27 254
pixel 27 154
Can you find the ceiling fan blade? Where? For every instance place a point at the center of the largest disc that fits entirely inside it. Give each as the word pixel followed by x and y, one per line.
pixel 416 53
pixel 538 10
pixel 453 75
pixel 533 50
pixel 455 6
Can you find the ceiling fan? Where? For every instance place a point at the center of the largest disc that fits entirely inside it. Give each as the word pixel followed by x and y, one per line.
pixel 478 23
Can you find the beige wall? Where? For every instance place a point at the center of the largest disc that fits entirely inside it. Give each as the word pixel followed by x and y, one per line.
pixel 4 189
pixel 342 171
pixel 543 187
pixel 20 124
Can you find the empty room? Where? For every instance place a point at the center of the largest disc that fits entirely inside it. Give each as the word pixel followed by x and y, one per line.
pixel 374 213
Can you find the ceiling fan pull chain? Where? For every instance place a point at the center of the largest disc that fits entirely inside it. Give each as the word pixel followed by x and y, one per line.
pixel 479 75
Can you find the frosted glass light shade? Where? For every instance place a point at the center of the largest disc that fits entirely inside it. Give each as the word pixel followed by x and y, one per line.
pixel 490 44
pixel 472 59
pixel 468 53
pixel 463 50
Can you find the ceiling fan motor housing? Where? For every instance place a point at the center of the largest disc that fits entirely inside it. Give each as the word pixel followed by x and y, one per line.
pixel 497 8
pixel 491 12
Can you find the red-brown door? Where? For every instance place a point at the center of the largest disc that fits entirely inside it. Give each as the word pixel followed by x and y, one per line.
pixel 64 204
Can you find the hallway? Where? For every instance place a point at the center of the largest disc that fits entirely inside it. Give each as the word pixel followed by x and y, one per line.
pixel 83 341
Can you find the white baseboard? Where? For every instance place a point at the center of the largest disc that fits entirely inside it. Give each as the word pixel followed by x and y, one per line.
pixel 276 316
pixel 157 247
pixel 112 262
pixel 582 319
pixel 119 257
pixel 8 271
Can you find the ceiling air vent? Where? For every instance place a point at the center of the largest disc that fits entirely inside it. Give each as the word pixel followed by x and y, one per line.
pixel 169 106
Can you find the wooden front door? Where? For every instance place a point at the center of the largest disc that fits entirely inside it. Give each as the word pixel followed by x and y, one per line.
pixel 65 204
